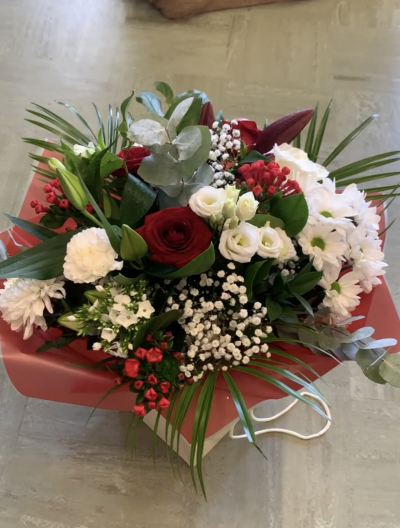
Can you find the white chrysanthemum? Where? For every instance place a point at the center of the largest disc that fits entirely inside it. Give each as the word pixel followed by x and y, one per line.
pixel 365 251
pixel 322 244
pixel 365 213
pixel 90 256
pixel 23 302
pixel 287 251
pixel 342 295
pixel 330 208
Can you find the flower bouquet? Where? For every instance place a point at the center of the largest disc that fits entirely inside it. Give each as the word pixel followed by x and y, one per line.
pixel 187 251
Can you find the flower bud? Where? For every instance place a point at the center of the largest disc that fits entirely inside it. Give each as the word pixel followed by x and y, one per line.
pixel 216 220
pixel 72 189
pixel 69 321
pixel 229 208
pixel 232 223
pixel 133 246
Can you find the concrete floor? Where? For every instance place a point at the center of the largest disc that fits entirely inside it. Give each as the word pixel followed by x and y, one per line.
pixel 259 62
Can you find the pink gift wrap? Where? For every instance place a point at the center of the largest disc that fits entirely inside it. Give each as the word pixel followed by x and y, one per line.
pixel 51 376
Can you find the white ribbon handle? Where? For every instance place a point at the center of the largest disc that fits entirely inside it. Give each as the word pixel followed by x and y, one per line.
pixel 287 431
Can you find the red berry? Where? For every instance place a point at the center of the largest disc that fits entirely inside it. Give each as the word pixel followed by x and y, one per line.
pixel 64 203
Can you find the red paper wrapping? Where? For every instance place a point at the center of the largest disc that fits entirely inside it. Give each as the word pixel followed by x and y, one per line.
pixel 52 376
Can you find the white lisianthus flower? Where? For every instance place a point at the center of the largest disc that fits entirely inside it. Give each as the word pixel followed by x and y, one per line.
pixel 322 244
pixel 287 251
pixel 90 256
pixel 304 171
pixel 23 301
pixel 342 295
pixel 270 243
pixel 207 201
pixel 84 152
pixel 239 244
pixel 246 206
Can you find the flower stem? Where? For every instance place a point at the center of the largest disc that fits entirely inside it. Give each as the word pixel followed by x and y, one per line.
pixel 92 218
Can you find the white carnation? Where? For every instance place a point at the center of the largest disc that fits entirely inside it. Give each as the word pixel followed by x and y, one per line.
pixel 90 256
pixel 239 244
pixel 207 201
pixel 23 301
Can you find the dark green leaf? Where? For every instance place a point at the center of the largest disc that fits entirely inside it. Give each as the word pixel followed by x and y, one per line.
pixel 78 115
pixel 259 220
pixel 185 95
pixel 304 303
pixel 169 368
pixel 57 343
pixel 293 210
pixel 53 221
pixel 136 200
pixel 192 116
pixel 34 229
pixel 166 90
pixel 305 283
pixel 253 156
pixel 44 261
pixel 125 105
pixel 274 309
pixel 308 148
pixel 255 273
pixel 54 131
pixel 156 323
pixel 100 120
pixel 321 132
pixel 198 265
pixel 61 123
pixel 109 164
pixel 53 147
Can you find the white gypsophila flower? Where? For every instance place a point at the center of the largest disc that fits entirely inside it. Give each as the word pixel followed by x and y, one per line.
pixel 90 256
pixel 287 251
pixel 327 207
pixel 207 201
pixel 239 244
pixel 304 171
pixel 322 244
pixel 23 301
pixel 246 206
pixel 270 243
pixel 84 152
pixel 342 295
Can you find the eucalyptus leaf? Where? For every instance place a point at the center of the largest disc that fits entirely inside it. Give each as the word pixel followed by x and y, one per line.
pixel 179 113
pixel 361 333
pixel 368 363
pixel 151 102
pixel 389 369
pixel 188 142
pixel 380 343
pixel 148 132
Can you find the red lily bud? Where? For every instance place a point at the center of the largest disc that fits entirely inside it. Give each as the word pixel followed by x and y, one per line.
pixel 283 131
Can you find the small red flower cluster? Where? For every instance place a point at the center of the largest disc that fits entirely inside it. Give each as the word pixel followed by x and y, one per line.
pixel 150 383
pixel 265 179
pixel 54 196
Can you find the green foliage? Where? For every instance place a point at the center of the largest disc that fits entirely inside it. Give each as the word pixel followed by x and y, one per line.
pixel 42 233
pixel 166 90
pixel 304 283
pixel 151 102
pixel 260 220
pixel 133 247
pixel 154 324
pixel 274 309
pixel 254 274
pixel 292 210
pixel 137 198
pixel 198 265
pixel 44 261
pixel 57 343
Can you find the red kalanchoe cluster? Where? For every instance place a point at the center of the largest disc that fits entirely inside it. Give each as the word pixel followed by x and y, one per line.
pixel 265 179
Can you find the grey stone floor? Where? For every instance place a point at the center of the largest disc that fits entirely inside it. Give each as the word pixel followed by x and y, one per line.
pixel 259 62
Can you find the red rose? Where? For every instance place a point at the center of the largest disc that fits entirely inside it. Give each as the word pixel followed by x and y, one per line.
pixel 154 355
pixel 132 367
pixel 151 405
pixel 133 160
pixel 139 410
pixel 175 236
pixel 152 379
pixel 138 384
pixel 141 353
pixel 163 403
pixel 151 394
pixel 165 386
pixel 248 131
